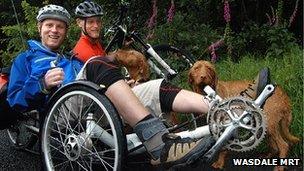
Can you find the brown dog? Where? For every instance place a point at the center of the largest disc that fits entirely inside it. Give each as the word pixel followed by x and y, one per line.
pixel 135 62
pixel 277 109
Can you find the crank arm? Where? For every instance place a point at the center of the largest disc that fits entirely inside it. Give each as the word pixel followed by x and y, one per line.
pixel 268 90
pixel 227 134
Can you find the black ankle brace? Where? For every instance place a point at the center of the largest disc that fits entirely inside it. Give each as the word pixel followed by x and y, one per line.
pixel 150 132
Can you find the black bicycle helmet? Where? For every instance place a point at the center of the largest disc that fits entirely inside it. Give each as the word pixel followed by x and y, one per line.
pixel 53 12
pixel 88 9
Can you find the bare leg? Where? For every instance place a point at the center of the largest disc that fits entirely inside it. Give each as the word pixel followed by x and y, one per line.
pixel 126 103
pixel 187 101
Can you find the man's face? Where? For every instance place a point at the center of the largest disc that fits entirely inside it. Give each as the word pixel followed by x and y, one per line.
pixel 93 26
pixel 52 33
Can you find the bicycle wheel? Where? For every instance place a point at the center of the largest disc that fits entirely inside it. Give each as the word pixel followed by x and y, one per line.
pixel 180 61
pixel 82 131
pixel 24 133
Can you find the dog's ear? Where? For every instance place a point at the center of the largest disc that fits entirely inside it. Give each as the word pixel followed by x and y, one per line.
pixel 212 75
pixel 145 70
pixel 214 84
pixel 190 76
pixel 191 81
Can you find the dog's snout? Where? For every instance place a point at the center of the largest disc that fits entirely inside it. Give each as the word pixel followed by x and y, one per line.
pixel 203 78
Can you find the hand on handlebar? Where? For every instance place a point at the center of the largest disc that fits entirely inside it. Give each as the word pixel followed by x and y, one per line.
pixel 53 77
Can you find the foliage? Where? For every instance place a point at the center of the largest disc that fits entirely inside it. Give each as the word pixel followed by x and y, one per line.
pixel 262 40
pixel 18 34
pixel 195 37
pixel 195 26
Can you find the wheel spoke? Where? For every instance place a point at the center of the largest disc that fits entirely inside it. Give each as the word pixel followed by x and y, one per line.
pixel 103 161
pixel 66 120
pixel 96 154
pixel 71 113
pixel 65 163
pixel 88 109
pixel 79 164
pixel 84 161
pixel 57 149
pixel 60 134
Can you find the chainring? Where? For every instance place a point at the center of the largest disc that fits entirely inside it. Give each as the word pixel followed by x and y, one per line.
pixel 242 113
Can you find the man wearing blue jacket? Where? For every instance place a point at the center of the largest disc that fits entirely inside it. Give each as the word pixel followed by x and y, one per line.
pixel 42 67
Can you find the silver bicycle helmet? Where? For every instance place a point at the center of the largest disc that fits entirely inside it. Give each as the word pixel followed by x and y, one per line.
pixel 53 12
pixel 88 9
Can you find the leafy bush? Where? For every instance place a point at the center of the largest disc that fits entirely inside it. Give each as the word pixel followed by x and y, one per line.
pixel 18 34
pixel 195 26
pixel 194 37
pixel 263 40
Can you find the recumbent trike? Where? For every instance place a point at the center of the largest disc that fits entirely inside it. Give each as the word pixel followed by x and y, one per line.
pixel 83 131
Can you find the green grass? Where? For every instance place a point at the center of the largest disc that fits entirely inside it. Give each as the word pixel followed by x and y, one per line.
pixel 286 70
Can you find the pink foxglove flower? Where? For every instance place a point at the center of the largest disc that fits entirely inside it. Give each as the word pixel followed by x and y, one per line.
pixel 213 54
pixel 213 47
pixel 171 12
pixel 226 11
pixel 217 44
pixel 152 19
pixel 294 14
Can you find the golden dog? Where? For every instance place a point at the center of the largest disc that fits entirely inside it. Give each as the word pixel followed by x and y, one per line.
pixel 277 109
pixel 135 62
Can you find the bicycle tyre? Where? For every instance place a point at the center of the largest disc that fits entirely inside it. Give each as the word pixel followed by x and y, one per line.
pixel 25 141
pixel 180 61
pixel 73 144
pixel 21 136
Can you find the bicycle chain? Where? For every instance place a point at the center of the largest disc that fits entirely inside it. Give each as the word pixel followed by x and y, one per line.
pixel 232 111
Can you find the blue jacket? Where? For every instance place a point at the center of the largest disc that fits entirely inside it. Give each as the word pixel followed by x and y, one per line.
pixel 28 69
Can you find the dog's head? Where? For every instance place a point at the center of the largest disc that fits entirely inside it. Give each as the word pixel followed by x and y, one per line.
pixel 201 74
pixel 135 62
